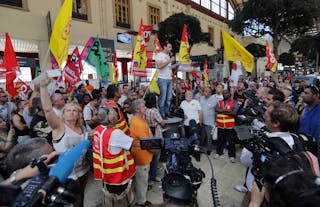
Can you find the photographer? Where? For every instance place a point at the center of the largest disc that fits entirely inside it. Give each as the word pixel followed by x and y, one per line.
pixel 281 119
pixel 287 183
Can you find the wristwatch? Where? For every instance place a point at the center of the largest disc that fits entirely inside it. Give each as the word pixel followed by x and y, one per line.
pixel 12 178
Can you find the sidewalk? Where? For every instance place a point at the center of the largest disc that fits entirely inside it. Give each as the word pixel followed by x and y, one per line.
pixel 227 175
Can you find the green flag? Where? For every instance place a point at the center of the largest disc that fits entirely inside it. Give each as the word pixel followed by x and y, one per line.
pixel 97 59
pixel 38 71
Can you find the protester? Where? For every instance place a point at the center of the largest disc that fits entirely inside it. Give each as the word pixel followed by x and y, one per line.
pixel 310 120
pixel 164 63
pixel 19 125
pixel 208 104
pixel 155 123
pixel 226 111
pixel 192 110
pixel 139 128
pixel 66 133
pixel 117 168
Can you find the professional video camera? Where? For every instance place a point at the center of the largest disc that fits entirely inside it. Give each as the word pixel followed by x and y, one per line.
pixel 179 149
pixel 52 186
pixel 254 110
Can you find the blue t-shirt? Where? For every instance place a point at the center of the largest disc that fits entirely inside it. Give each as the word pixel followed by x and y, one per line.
pixel 310 122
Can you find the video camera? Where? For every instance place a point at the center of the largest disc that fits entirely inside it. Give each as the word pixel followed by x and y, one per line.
pixel 52 186
pixel 179 150
pixel 255 110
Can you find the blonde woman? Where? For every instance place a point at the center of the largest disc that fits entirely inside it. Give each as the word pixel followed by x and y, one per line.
pixel 67 131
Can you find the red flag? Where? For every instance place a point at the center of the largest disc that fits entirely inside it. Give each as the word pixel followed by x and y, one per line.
pixel 22 88
pixel 158 45
pixel 11 66
pixel 271 59
pixel 194 74
pixel 72 70
pixel 206 72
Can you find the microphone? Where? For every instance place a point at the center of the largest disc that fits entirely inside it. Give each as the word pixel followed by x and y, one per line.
pixel 67 160
pixel 41 187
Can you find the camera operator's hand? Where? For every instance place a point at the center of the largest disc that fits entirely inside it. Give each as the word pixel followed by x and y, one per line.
pixel 29 172
pixel 257 196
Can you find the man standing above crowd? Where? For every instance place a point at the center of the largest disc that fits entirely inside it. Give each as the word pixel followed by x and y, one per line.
pixel 164 62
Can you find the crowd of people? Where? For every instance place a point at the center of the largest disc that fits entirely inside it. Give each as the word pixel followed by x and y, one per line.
pixel 119 115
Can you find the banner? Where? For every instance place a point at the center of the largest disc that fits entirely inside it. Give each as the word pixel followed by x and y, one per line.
pixel 234 51
pixel 139 53
pixel 22 88
pixel 86 49
pixel 206 73
pixel 184 51
pixel 114 72
pixel 10 66
pixel 61 33
pixel 271 59
pixel 153 85
pixel 97 59
pixel 157 44
pixel 72 70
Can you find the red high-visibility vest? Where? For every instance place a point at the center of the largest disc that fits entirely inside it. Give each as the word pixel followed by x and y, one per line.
pixel 122 123
pixel 113 169
pixel 225 121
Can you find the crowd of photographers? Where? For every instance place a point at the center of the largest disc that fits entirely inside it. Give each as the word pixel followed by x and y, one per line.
pixel 46 122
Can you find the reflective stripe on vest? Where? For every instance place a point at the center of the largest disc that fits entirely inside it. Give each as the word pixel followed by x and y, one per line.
pixel 225 121
pixel 115 169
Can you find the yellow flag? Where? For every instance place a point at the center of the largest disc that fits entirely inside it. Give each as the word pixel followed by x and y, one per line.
pixel 61 33
pixel 234 51
pixel 140 53
pixel 153 86
pixel 184 51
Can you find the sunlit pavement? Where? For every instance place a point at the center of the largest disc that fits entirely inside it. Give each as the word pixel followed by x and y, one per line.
pixel 226 173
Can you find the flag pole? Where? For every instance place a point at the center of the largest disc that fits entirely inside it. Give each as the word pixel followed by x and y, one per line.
pixel 45 60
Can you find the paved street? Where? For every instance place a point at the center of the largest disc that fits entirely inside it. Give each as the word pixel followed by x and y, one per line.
pixel 227 175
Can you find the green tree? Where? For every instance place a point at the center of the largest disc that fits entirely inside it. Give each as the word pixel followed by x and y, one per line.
pixel 279 18
pixel 287 59
pixel 171 30
pixel 306 46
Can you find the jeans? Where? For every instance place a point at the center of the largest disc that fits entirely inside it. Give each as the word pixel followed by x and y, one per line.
pixel 154 166
pixel 206 137
pixel 165 86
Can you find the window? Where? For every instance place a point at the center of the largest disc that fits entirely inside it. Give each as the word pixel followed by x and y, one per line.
pixel 211 36
pixel 122 8
pixel 230 12
pixel 80 9
pixel 15 3
pixel 154 15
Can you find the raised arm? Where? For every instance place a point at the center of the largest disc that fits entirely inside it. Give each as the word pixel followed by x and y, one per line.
pixel 53 120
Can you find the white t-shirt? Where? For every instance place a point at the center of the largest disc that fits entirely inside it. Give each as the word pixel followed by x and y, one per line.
pixel 165 72
pixel 191 109
pixel 118 141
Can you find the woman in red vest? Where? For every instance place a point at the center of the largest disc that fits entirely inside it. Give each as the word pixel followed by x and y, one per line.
pixel 113 163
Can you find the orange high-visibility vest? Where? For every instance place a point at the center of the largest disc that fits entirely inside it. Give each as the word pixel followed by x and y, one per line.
pixel 225 121
pixel 122 123
pixel 113 169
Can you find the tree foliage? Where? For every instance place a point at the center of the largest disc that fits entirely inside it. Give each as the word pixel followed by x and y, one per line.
pixel 257 50
pixel 305 46
pixel 287 59
pixel 171 30
pixel 279 18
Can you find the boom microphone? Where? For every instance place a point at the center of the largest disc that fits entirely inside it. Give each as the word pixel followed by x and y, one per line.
pixel 67 160
pixel 41 187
